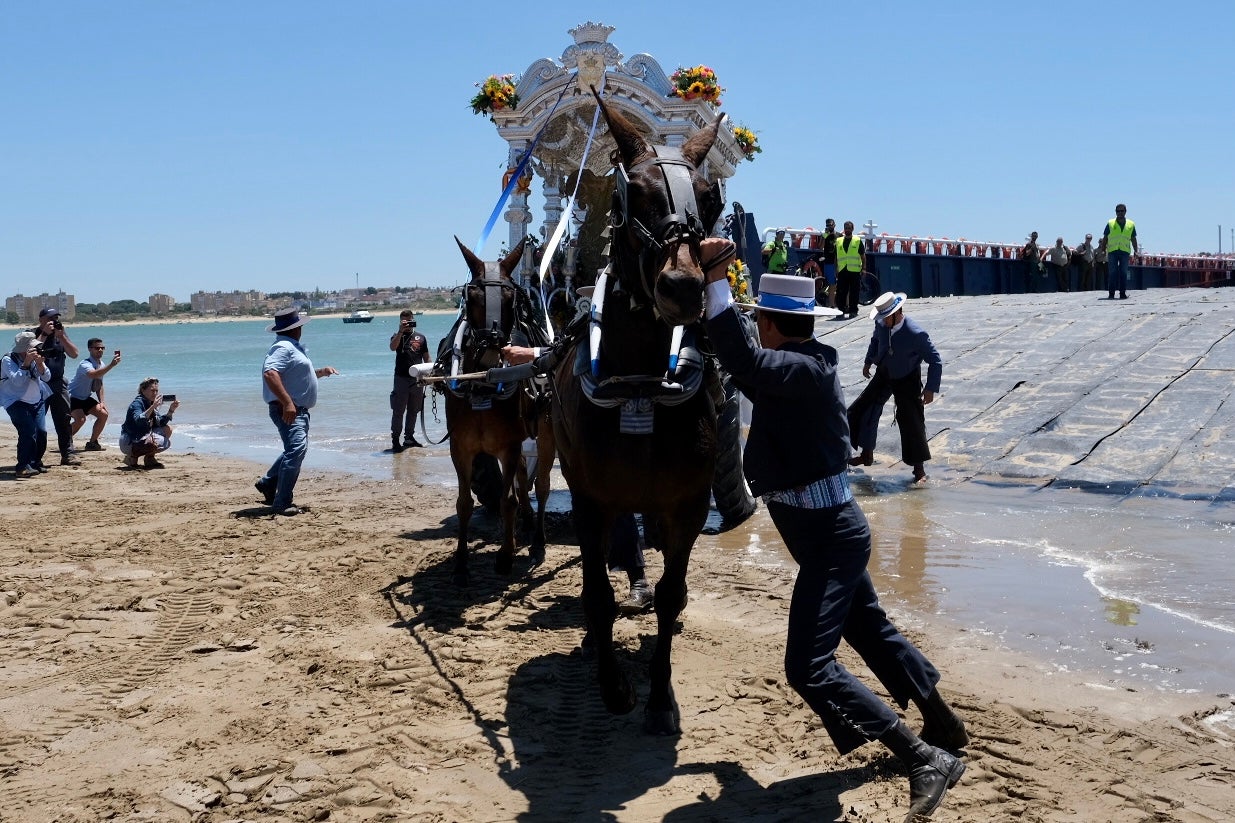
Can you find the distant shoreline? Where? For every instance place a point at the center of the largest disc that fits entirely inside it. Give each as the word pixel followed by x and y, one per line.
pixel 171 321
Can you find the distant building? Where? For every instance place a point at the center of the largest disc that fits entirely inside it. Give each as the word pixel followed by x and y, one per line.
pixel 27 308
pixel 161 304
pixel 231 302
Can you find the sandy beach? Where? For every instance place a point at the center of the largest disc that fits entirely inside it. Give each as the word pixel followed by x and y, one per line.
pixel 171 652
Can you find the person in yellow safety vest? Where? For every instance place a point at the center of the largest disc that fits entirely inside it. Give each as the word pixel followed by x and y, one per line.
pixel 850 263
pixel 776 254
pixel 1120 235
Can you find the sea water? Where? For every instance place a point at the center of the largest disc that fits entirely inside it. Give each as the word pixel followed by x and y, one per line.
pixel 214 369
pixel 1142 588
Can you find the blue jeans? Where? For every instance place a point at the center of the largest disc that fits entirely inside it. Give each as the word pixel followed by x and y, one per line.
pixel 285 471
pixel 834 599
pixel 1117 272
pixel 41 434
pixel 25 417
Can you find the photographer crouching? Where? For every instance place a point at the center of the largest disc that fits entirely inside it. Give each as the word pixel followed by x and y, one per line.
pixel 145 432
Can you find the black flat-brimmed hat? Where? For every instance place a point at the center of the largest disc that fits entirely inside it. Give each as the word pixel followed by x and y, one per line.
pixel 287 319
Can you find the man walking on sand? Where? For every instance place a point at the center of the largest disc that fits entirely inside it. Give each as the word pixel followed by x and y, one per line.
pixel 795 458
pixel 897 349
pixel 289 387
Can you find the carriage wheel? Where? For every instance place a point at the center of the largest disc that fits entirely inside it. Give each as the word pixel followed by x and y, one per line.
pixel 868 289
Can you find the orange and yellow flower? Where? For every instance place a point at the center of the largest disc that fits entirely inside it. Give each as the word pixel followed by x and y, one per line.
pixel 739 282
pixel 696 82
pixel 747 142
pixel 497 92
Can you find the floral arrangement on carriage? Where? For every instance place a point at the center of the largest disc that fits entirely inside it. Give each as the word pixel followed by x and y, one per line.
pixel 747 142
pixel 739 282
pixel 696 82
pixel 497 93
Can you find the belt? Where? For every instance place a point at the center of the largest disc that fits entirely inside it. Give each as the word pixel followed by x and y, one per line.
pixel 825 493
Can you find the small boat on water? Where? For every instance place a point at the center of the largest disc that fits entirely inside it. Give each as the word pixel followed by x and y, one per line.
pixel 359 316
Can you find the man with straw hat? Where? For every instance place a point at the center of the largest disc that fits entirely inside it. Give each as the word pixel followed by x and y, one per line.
pixel 897 349
pixel 796 459
pixel 289 387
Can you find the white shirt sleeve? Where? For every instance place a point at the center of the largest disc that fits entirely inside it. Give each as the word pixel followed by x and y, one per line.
pixel 718 296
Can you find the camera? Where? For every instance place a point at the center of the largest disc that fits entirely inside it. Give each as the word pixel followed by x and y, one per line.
pixel 170 398
pixel 57 325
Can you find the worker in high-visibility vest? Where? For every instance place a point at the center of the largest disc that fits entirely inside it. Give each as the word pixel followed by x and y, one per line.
pixel 850 263
pixel 1120 235
pixel 775 254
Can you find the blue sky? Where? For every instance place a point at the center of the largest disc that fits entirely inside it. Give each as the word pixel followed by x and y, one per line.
pixel 176 146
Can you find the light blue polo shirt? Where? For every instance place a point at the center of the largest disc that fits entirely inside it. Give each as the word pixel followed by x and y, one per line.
pixel 288 358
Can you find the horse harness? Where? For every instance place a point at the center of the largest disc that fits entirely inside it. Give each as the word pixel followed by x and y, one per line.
pixel 682 224
pixel 482 347
pixel 638 395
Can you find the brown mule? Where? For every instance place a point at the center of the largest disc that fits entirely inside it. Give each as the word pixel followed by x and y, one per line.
pixel 622 448
pixel 495 420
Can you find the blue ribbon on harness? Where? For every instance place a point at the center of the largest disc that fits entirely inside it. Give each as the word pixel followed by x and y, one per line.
pixel 514 178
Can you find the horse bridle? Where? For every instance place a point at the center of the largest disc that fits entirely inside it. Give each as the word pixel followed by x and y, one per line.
pixel 492 337
pixel 683 223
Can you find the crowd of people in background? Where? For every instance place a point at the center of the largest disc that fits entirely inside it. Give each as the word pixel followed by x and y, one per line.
pixel 837 262
pixel 1104 266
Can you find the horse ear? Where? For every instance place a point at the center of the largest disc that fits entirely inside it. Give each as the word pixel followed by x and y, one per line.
pixel 474 264
pixel 630 142
pixel 510 261
pixel 700 143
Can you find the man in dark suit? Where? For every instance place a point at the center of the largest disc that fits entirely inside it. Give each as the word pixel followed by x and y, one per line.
pixel 897 350
pixel 796 459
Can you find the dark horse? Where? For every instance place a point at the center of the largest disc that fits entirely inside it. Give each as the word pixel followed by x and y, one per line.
pixel 662 208
pixel 494 419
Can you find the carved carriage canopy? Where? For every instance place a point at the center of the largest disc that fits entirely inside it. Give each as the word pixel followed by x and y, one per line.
pixel 639 88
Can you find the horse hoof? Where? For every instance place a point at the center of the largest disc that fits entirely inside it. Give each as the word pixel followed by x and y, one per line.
pixel 587 646
pixel 504 563
pixel 619 698
pixel 662 723
pixel 537 554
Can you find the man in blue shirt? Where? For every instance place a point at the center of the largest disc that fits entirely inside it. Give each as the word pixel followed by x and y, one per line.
pixel 290 390
pixel 897 350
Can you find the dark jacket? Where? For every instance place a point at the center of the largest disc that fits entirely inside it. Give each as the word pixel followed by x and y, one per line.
pixel 902 354
pixel 799 432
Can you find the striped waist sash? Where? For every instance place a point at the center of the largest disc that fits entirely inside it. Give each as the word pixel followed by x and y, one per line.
pixel 824 493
